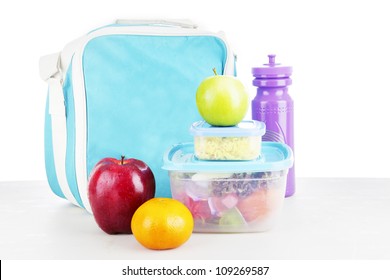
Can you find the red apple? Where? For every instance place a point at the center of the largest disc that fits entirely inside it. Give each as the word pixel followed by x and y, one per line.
pixel 116 188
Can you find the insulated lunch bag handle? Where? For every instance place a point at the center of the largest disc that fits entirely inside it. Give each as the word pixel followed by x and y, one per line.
pixel 183 23
pixel 50 71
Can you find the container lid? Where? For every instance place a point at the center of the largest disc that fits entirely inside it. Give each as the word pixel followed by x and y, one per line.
pixel 274 157
pixel 244 128
pixel 272 74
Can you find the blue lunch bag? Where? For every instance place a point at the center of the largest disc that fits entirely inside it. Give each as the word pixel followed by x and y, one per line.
pixel 124 89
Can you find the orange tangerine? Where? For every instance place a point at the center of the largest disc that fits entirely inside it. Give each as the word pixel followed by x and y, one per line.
pixel 162 223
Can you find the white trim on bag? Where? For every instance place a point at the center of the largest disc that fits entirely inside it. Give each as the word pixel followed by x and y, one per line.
pixel 80 104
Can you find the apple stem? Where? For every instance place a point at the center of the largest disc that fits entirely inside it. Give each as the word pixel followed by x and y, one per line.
pixel 122 158
pixel 215 71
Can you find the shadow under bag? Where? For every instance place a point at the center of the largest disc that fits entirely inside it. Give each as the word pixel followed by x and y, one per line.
pixel 124 89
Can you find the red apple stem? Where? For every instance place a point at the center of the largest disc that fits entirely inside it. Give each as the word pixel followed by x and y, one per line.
pixel 122 158
pixel 215 71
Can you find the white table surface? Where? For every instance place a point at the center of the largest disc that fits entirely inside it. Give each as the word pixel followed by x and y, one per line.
pixel 326 219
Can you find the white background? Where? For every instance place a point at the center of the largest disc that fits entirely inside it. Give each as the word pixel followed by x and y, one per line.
pixel 339 51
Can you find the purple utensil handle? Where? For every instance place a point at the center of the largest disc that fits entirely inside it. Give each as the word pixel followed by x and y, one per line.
pixel 275 107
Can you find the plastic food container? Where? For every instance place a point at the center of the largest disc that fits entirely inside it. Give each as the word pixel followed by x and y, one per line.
pixel 230 196
pixel 240 142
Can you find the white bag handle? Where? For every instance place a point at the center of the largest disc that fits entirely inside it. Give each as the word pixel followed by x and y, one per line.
pixel 183 23
pixel 49 66
pixel 50 72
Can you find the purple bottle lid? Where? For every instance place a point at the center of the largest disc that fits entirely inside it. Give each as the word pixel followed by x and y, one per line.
pixel 272 74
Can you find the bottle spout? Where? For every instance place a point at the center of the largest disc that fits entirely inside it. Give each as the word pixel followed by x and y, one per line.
pixel 271 59
pixel 272 70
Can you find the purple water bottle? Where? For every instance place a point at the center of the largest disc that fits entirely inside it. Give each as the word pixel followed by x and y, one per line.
pixel 274 106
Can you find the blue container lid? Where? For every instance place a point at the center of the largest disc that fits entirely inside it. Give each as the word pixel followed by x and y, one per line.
pixel 274 157
pixel 244 128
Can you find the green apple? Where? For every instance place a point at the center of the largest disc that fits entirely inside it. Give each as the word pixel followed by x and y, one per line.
pixel 222 100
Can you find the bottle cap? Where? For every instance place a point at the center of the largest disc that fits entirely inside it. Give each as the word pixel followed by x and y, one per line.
pixel 272 74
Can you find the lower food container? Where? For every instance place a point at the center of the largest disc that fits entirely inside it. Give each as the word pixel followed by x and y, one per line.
pixel 230 196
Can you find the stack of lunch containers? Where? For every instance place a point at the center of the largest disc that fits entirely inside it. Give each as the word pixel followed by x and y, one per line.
pixel 229 179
